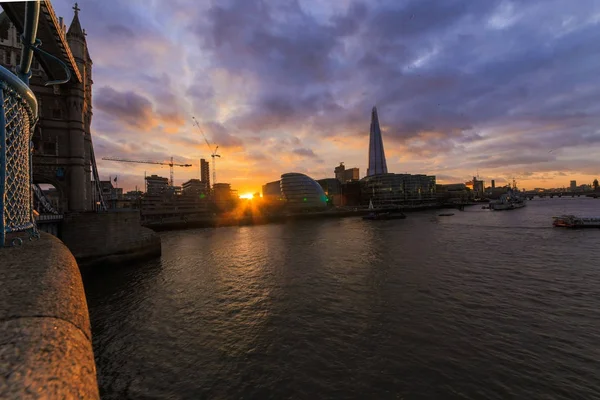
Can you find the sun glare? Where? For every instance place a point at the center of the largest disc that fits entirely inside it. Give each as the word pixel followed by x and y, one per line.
pixel 248 196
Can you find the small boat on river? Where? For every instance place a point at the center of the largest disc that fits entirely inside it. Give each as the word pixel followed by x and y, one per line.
pixel 572 221
pixel 383 214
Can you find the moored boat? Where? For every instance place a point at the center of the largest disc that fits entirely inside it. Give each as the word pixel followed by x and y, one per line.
pixel 383 214
pixel 572 221
pixel 510 200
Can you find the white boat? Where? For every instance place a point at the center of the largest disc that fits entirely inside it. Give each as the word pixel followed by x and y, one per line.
pixel 510 200
pixel 571 221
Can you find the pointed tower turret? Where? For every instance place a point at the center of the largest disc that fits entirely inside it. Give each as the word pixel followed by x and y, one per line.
pixel 377 163
pixel 75 27
pixel 76 37
pixel 80 113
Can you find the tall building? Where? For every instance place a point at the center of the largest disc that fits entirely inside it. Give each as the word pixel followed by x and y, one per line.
pixel 377 163
pixel 156 185
pixel 339 172
pixel 205 173
pixel 477 186
pixel 383 188
pixel 345 175
pixel 193 187
pixel 573 186
pixel 493 184
pixel 352 174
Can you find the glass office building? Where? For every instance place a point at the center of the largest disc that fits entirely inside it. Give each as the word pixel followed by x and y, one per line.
pixel 398 189
pixel 302 192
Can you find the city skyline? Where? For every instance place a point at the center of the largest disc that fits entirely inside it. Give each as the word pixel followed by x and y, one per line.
pixel 461 88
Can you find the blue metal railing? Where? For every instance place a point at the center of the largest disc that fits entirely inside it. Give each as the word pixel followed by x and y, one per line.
pixel 18 116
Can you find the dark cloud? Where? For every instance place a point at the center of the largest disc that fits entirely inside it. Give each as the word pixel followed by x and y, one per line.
pixel 120 32
pixel 110 18
pixel 128 107
pixel 524 159
pixel 415 20
pixel 277 39
pixel 447 67
pixel 304 152
pixel 218 135
pixel 187 141
pixel 449 178
pixel 136 111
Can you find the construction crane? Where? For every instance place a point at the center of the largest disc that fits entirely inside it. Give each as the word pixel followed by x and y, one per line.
pixel 170 164
pixel 213 153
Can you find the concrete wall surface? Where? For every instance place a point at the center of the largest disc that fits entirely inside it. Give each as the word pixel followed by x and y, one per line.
pixel 45 335
pixel 96 238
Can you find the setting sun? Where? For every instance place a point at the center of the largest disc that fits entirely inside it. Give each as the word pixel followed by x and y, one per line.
pixel 248 196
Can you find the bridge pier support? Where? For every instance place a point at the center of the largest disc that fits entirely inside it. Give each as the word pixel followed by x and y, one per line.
pixel 109 237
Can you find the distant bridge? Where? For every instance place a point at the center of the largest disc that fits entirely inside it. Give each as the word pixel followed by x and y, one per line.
pixel 531 195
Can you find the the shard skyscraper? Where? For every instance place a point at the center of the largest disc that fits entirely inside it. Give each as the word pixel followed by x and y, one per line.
pixel 377 164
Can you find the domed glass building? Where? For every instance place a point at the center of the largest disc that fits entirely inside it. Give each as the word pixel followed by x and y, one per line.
pixel 302 192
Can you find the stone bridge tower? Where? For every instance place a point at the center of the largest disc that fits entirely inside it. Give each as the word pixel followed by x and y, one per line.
pixel 79 111
pixel 62 139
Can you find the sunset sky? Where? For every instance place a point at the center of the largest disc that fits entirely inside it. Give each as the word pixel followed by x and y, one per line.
pixel 500 88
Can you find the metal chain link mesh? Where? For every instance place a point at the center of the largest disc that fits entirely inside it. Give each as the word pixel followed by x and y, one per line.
pixel 17 205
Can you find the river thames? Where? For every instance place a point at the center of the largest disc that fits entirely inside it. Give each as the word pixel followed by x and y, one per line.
pixel 482 304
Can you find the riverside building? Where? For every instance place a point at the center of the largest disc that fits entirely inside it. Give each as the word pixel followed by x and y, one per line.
pixel 302 192
pixel 383 188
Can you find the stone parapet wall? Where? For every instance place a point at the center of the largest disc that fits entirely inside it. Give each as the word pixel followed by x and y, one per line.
pixel 45 336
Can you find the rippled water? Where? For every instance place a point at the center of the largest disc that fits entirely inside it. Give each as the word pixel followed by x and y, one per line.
pixel 482 304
